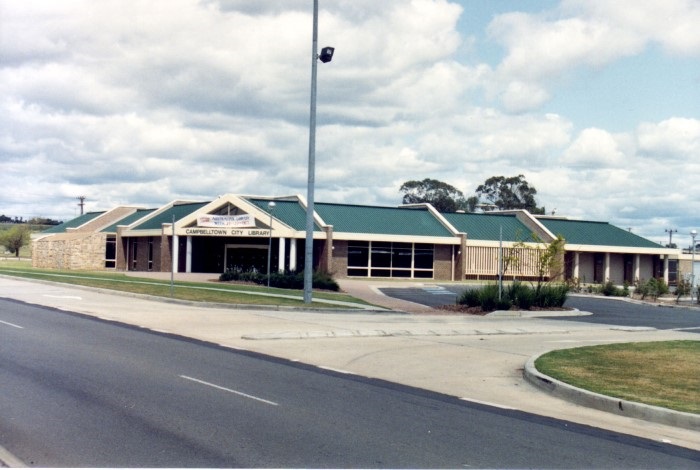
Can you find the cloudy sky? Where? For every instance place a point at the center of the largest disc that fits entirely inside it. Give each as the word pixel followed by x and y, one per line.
pixel 141 102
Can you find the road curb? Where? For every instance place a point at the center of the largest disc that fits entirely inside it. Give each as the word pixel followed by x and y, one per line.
pixel 395 333
pixel 614 405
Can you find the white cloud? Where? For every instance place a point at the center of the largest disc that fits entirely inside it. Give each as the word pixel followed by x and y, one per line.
pixel 543 48
pixel 594 147
pixel 675 138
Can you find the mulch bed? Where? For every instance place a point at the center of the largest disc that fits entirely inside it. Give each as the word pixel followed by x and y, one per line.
pixel 479 311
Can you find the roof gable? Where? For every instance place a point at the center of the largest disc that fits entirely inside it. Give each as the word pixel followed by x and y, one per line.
pixel 176 211
pixel 128 220
pixel 74 223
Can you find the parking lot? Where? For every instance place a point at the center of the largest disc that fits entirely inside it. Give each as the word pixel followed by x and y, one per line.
pixel 609 311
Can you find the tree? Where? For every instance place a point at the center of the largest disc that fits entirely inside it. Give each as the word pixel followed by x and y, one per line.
pixel 444 197
pixel 15 238
pixel 503 193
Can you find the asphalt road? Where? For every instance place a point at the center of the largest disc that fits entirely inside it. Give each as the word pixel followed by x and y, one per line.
pixel 81 392
pixel 616 312
pixel 605 311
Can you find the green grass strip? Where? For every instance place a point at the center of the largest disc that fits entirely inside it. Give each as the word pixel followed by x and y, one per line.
pixel 664 373
pixel 192 291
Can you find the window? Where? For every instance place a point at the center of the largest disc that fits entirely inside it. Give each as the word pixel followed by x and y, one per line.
pixel 150 253
pixel 111 252
pixel 387 259
pixel 134 255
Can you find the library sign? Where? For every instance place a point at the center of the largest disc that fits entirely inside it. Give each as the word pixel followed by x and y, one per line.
pixel 227 226
pixel 227 232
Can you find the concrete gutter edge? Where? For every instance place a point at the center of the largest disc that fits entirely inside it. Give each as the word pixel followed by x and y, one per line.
pixel 614 405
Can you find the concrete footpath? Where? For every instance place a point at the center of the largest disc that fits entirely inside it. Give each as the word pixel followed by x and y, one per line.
pixel 479 359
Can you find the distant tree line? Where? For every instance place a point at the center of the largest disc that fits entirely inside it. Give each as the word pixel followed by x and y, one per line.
pixel 497 193
pixel 33 221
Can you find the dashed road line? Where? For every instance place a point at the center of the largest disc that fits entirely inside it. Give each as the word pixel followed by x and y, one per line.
pixel 11 324
pixel 8 459
pixel 235 392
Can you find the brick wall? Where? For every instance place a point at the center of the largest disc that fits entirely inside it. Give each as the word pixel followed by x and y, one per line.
pixel 339 262
pixel 442 262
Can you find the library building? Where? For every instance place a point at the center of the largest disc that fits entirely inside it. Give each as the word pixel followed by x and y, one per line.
pixel 358 241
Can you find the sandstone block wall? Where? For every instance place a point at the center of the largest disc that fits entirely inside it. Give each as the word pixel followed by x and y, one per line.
pixel 79 251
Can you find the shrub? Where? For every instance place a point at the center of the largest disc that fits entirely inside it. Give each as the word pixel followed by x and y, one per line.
pixel 521 295
pixel 551 296
pixel 470 298
pixel 683 288
pixel 285 280
pixel 517 294
pixel 652 288
pixel 488 297
pixel 611 290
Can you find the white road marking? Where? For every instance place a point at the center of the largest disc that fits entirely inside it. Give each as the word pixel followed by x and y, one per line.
pixel 10 460
pixel 63 296
pixel 488 403
pixel 235 392
pixel 11 324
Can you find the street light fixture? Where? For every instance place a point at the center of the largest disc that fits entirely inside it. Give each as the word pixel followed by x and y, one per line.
pixel 270 208
pixel 325 56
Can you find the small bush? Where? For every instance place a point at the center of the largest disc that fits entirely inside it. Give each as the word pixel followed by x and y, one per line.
pixel 517 294
pixel 683 288
pixel 285 280
pixel 322 280
pixel 652 288
pixel 488 297
pixel 611 290
pixel 521 295
pixel 470 298
pixel 550 296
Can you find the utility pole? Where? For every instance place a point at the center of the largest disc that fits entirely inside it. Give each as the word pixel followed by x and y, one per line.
pixel 670 232
pixel 81 204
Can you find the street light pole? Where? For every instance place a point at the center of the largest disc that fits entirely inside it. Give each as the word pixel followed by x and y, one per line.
pixel 325 56
pixel 693 234
pixel 309 244
pixel 270 208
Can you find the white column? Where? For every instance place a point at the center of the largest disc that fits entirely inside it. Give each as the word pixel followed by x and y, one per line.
pixel 188 254
pixel 606 268
pixel 576 264
pixel 281 253
pixel 176 252
pixel 636 266
pixel 293 254
pixel 666 269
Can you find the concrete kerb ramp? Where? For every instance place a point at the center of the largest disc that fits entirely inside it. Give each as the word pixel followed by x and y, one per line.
pixel 614 405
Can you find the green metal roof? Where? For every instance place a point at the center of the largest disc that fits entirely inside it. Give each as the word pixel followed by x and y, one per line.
pixel 166 217
pixel 381 220
pixel 488 226
pixel 128 220
pixel 579 232
pixel 288 212
pixel 74 223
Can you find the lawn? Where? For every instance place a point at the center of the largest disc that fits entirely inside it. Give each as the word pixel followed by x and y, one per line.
pixel 192 291
pixel 664 373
